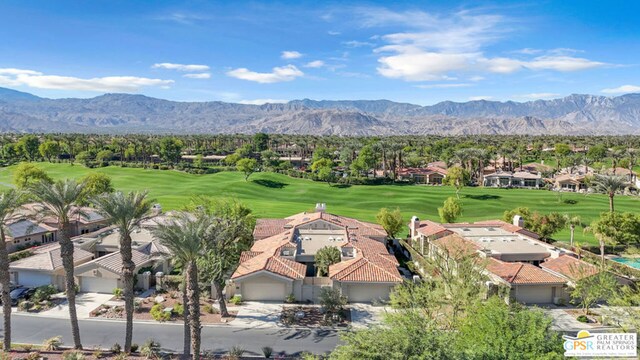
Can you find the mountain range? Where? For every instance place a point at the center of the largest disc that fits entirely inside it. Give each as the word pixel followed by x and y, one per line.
pixel 125 113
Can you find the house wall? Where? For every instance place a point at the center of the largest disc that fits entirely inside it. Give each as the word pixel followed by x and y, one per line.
pixel 365 292
pixel 538 294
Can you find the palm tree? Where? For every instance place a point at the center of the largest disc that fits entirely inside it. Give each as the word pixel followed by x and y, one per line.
pixel 609 185
pixel 60 200
pixel 9 202
pixel 573 221
pixel 602 233
pixel 125 212
pixel 185 236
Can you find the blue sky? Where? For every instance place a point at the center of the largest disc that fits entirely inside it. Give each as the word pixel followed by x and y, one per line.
pixel 417 52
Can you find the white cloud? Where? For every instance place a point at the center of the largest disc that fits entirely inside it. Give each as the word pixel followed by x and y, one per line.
pixel 315 64
pixel 181 67
pixel 443 86
pixel 278 74
pixel 538 96
pixel 333 33
pixel 263 101
pixel 562 63
pixel 434 47
pixel 198 76
pixel 290 55
pixel 624 89
pixel 476 78
pixel 36 79
pixel 481 97
pixel 357 44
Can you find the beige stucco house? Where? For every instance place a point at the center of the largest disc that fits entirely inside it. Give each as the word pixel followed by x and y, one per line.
pixel 281 260
pixel 532 270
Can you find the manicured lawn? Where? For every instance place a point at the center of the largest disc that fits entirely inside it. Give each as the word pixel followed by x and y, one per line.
pixel 274 195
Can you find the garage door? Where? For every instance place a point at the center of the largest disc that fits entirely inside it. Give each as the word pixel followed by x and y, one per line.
pixel 97 285
pixel 534 294
pixel 260 291
pixel 33 279
pixel 368 293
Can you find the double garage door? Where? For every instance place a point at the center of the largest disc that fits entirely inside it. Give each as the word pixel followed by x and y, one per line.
pixel 535 294
pixel 367 292
pixel 97 285
pixel 263 291
pixel 33 279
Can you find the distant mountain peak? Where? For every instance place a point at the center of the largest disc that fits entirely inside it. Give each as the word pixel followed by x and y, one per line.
pixel 126 113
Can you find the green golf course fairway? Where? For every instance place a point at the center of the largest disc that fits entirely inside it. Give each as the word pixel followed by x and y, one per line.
pixel 275 195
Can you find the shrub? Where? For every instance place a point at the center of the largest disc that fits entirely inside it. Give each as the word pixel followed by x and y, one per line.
pixel 236 300
pixel 117 292
pixel 210 309
pixel 73 355
pixel 267 351
pixel 134 347
pixel 178 309
pixel 235 352
pixel 583 318
pixel 25 305
pixel 332 300
pixel 150 349
pixel 158 313
pixel 53 343
pixel 97 353
pixel 116 348
pixel 290 299
pixel 33 355
pixel 27 347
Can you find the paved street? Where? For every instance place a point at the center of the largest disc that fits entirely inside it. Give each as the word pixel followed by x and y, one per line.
pixel 33 329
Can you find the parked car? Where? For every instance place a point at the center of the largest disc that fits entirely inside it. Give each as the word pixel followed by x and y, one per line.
pixel 21 294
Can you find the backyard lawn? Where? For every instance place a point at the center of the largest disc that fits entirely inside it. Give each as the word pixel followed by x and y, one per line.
pixel 275 195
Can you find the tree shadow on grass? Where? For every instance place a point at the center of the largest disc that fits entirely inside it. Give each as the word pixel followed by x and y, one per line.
pixel 341 186
pixel 270 183
pixel 483 197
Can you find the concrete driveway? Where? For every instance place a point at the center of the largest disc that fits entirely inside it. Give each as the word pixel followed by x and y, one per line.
pixel 253 314
pixel 85 303
pixel 366 315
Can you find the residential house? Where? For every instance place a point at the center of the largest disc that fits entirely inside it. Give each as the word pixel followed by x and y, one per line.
pixel 520 179
pixel 571 182
pixel 44 266
pixel 104 273
pixel 431 175
pixel 25 233
pixel 282 259
pixel 514 255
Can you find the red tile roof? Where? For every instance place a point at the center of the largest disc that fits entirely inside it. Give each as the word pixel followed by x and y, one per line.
pixel 570 267
pixel 522 273
pixel 456 244
pixel 372 262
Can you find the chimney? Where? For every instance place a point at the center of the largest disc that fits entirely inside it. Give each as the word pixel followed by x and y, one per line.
pixel 413 226
pixel 321 207
pixel 518 221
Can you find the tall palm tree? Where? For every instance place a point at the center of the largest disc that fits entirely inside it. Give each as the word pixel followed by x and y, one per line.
pixel 603 235
pixel 61 200
pixel 185 237
pixel 573 221
pixel 9 202
pixel 125 212
pixel 609 185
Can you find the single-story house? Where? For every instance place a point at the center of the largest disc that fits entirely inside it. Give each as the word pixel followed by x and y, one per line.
pixel 528 283
pixel 431 175
pixel 521 179
pixel 104 274
pixel 281 261
pixel 44 267
pixel 570 182
pixel 25 233
pixel 513 256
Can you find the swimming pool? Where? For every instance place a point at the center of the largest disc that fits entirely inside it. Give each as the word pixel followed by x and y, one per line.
pixel 633 262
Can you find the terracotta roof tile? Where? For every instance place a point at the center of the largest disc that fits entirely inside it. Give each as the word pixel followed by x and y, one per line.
pixel 522 273
pixel 570 267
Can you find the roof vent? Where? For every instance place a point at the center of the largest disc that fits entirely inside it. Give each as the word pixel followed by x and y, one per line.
pixel 288 226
